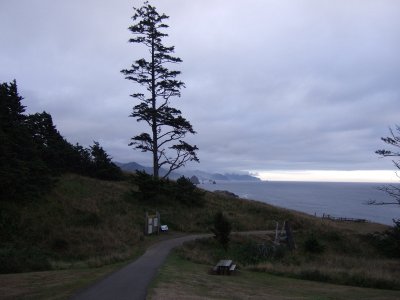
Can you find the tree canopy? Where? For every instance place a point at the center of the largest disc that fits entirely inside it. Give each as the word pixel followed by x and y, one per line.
pixel 33 152
pixel 22 173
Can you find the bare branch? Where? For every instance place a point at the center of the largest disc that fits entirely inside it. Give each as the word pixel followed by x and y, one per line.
pixel 393 191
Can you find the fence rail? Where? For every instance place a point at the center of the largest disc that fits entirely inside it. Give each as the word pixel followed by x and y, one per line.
pixel 329 217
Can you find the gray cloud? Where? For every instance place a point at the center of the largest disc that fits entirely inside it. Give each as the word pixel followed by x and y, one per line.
pixel 270 84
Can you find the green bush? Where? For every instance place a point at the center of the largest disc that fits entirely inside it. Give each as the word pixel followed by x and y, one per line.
pixel 187 193
pixel 251 252
pixel 313 245
pixel 152 189
pixel 387 242
pixel 222 229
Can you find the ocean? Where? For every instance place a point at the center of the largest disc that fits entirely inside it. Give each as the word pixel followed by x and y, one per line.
pixel 337 199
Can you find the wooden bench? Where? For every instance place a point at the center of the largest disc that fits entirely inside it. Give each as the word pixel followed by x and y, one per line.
pixel 232 269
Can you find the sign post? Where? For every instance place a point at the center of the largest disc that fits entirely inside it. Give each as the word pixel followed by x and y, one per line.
pixel 152 223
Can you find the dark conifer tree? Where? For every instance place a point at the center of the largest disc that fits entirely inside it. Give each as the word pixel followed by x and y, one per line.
pixel 102 165
pixel 23 174
pixel 159 86
pixel 33 152
pixel 54 149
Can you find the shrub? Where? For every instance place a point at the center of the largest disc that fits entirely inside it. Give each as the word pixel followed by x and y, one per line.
pixel 222 229
pixel 163 190
pixel 187 193
pixel 152 189
pixel 387 242
pixel 313 245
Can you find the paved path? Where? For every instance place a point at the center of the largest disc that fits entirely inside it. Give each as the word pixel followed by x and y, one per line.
pixel 132 281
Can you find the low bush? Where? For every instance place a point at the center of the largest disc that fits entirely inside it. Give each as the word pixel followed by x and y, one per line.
pixel 222 229
pixel 313 245
pixel 187 193
pixel 163 191
pixel 387 243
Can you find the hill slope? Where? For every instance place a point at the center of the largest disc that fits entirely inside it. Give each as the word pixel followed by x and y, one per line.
pixel 95 221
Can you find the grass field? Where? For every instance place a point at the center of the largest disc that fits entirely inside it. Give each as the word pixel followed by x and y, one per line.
pixel 182 279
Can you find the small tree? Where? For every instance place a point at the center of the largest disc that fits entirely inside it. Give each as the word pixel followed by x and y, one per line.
pixel 392 190
pixel 167 126
pixel 222 229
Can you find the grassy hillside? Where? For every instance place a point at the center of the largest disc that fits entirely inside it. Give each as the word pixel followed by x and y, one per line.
pixel 90 222
pixel 85 221
pixel 80 220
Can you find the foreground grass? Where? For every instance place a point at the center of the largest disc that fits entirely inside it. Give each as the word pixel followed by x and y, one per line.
pixel 53 285
pixel 342 258
pixel 182 279
pixel 62 284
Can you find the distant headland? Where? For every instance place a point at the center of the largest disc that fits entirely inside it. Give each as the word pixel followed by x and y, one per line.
pixel 201 175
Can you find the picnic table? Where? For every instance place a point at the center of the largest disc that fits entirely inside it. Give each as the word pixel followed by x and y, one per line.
pixel 224 267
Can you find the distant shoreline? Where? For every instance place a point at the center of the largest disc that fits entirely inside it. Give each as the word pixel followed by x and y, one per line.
pixel 337 199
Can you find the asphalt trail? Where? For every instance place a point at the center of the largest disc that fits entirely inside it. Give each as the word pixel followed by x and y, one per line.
pixel 132 281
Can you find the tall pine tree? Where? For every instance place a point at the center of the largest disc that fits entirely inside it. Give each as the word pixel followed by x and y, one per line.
pixel 159 85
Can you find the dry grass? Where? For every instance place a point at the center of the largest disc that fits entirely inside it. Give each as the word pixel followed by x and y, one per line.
pixel 379 273
pixel 345 258
pixel 182 279
pixel 70 276
pixel 50 284
pixel 358 227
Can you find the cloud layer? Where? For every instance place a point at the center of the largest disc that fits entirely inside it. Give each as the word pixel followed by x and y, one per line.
pixel 271 85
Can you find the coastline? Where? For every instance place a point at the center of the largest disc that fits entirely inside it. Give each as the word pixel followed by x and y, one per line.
pixel 337 199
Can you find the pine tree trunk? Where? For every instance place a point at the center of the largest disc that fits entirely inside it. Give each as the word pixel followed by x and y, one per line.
pixel 154 117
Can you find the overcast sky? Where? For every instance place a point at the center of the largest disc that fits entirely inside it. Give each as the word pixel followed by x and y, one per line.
pixel 271 86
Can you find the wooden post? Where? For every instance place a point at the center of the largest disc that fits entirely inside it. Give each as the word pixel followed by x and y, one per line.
pixel 289 236
pixel 146 225
pixel 277 237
